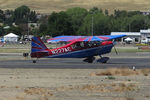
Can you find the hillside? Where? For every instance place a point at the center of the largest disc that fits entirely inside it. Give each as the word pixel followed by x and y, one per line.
pixel 47 6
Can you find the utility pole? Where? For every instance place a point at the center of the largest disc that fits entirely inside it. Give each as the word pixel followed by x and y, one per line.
pixel 129 27
pixel 28 27
pixel 92 25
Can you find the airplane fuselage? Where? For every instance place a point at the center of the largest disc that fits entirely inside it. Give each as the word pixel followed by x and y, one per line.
pixel 77 50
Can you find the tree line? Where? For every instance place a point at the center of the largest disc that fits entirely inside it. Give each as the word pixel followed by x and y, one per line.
pixel 73 21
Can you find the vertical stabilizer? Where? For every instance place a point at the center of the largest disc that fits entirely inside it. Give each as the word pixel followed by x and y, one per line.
pixel 38 48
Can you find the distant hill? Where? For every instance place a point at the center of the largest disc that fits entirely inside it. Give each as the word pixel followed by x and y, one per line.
pixel 47 6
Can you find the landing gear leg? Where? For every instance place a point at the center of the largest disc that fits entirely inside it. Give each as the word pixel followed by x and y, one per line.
pixel 89 59
pixel 103 59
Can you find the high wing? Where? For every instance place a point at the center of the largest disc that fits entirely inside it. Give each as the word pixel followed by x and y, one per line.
pixel 84 38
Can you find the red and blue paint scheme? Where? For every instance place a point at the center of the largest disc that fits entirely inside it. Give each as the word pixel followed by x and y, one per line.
pixel 79 47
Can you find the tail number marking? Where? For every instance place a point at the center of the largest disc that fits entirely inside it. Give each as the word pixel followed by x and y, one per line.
pixel 61 50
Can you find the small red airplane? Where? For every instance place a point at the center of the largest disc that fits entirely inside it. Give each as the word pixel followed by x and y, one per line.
pixel 78 47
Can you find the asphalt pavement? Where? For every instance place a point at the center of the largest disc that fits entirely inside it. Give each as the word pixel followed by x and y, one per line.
pixel 138 60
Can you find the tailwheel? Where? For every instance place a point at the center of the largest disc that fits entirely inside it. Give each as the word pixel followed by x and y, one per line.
pixel 103 59
pixel 89 59
pixel 34 61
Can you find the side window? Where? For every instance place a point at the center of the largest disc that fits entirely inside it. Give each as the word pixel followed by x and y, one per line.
pixel 73 46
pixel 86 44
pixel 98 43
pixel 90 44
pixel 82 44
pixel 76 46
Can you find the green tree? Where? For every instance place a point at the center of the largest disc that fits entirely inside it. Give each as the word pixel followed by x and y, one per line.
pixel 59 24
pixel 9 19
pixel 32 17
pixel 106 12
pixel 77 16
pixel 16 30
pixel 95 10
pixel 2 32
pixel 35 32
pixel 21 14
pixel 138 22
pixel 120 24
pixel 132 13
pixel 100 25
pixel 120 13
pixel 43 29
pixel 2 16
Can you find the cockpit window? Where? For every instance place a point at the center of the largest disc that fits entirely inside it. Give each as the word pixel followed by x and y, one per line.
pixel 77 45
pixel 80 45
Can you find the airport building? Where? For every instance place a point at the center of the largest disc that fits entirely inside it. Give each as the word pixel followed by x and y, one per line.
pixel 135 37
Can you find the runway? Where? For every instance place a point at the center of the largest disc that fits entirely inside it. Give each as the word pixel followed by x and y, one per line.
pixel 138 60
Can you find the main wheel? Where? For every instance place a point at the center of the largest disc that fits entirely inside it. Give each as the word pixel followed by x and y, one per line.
pixel 89 59
pixel 103 60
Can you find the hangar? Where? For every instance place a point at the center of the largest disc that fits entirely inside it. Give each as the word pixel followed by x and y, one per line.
pixel 137 37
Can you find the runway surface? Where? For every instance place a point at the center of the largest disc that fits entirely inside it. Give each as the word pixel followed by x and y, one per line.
pixel 139 60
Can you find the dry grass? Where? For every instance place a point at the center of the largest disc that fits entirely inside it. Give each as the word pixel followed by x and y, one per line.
pixel 107 87
pixel 47 6
pixel 46 94
pixel 145 71
pixel 38 91
pixel 19 98
pixel 113 87
pixel 122 87
pixel 121 72
pixel 124 98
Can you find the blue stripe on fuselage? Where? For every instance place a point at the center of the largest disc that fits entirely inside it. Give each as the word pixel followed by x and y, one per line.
pixel 85 53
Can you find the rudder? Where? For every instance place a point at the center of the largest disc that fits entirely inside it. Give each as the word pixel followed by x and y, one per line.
pixel 38 48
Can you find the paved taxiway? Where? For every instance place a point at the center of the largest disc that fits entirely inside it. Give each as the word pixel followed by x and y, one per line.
pixel 139 60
